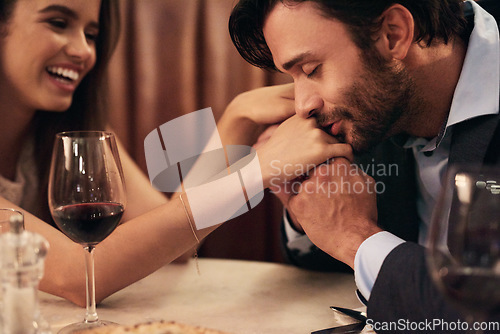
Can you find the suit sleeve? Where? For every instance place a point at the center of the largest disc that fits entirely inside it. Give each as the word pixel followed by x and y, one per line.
pixel 405 290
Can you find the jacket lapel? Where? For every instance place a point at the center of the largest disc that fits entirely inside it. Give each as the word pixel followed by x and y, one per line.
pixel 471 139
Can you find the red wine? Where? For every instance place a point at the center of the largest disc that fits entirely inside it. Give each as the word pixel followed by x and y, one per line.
pixel 475 288
pixel 88 223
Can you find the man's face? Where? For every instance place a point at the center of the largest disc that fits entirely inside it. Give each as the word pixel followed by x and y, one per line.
pixel 355 96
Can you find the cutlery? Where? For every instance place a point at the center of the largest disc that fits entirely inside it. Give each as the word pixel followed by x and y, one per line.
pixel 361 316
pixel 351 328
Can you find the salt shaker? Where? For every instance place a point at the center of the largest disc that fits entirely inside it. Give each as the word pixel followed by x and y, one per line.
pixel 22 255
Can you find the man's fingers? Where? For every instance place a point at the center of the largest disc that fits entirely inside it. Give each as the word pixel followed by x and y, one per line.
pixel 340 150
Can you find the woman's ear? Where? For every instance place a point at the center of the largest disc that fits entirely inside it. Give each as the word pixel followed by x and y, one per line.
pixel 396 33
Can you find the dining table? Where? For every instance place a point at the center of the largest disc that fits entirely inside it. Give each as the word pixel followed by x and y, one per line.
pixel 234 296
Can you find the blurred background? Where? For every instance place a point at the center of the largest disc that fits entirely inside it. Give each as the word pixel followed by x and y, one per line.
pixel 175 57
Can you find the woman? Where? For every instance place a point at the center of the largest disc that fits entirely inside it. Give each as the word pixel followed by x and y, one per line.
pixel 53 55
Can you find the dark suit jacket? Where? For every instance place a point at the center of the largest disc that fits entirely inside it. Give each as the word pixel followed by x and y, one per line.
pixel 404 289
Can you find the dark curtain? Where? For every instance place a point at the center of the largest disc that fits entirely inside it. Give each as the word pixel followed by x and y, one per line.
pixel 176 57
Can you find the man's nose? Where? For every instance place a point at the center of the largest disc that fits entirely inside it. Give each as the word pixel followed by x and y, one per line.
pixel 307 100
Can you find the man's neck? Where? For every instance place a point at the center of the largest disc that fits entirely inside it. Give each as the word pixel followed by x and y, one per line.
pixel 436 71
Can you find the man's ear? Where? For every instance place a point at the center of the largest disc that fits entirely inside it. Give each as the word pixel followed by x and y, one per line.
pixel 396 33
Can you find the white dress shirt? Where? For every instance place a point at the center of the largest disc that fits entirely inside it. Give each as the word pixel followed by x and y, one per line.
pixel 476 94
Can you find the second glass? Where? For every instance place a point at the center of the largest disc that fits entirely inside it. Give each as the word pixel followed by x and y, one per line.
pixel 464 241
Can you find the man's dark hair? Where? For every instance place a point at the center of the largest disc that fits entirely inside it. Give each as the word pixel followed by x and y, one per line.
pixel 434 19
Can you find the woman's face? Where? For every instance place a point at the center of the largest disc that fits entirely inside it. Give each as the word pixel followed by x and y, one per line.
pixel 46 48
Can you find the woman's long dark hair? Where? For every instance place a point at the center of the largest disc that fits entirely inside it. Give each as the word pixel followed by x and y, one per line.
pixel 88 108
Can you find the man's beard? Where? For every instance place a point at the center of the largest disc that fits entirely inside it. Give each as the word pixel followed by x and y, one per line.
pixel 374 103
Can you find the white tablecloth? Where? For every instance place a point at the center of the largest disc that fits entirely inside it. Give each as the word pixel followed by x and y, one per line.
pixel 234 296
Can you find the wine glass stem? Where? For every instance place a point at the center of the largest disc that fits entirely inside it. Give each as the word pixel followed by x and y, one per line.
pixel 91 314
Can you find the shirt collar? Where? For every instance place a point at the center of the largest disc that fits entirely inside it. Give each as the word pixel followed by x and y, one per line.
pixel 478 88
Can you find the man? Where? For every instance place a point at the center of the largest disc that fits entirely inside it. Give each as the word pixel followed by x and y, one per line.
pixel 374 73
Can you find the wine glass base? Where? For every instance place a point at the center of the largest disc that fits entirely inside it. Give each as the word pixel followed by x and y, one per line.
pixel 80 326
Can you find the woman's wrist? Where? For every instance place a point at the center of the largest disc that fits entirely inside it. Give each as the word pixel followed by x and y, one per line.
pixel 237 129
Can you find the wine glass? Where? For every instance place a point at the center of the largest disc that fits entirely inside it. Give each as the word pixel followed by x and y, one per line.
pixel 464 241
pixel 86 199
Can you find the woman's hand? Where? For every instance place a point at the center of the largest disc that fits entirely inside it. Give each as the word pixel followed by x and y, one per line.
pixel 295 147
pixel 250 113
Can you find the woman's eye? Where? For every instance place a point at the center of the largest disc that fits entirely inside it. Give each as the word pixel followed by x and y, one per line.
pixel 91 36
pixel 58 23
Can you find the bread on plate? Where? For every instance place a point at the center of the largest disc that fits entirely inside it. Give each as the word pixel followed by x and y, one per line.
pixel 157 327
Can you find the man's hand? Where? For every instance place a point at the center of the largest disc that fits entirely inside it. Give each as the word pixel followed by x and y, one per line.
pixel 336 206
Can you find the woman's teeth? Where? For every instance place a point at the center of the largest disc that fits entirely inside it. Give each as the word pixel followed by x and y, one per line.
pixel 63 73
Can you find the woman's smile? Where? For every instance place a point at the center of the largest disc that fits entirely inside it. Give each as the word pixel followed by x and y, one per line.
pixel 65 77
